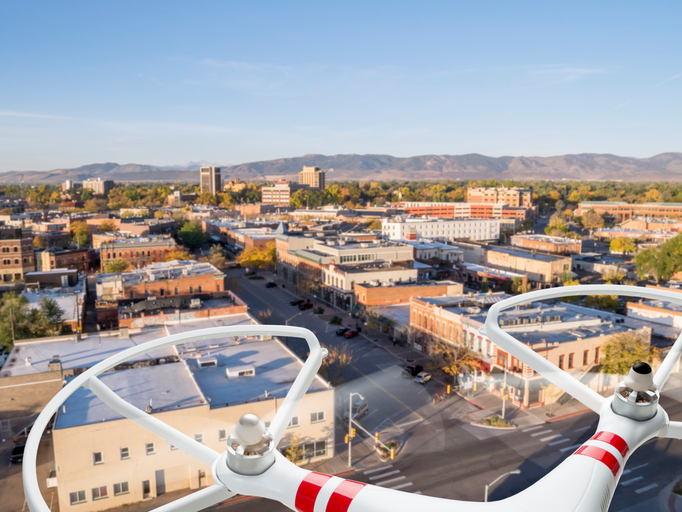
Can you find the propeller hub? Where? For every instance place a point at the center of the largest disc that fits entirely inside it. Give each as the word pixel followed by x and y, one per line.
pixel 250 449
pixel 637 396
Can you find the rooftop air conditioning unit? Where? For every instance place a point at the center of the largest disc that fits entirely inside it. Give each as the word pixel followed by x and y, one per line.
pixel 240 371
pixel 195 303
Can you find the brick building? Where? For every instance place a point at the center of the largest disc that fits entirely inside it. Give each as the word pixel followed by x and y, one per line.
pixel 509 196
pixel 370 295
pixel 468 210
pixel 545 243
pixel 137 251
pixel 280 193
pixel 83 260
pixel 16 247
pixel 621 211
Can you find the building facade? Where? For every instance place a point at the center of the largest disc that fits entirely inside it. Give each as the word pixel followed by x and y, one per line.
pixel 621 211
pixel 99 186
pixel 313 177
pixel 137 251
pixel 209 178
pixel 17 254
pixel 280 193
pixel 545 243
pixel 509 196
pixel 468 210
pixel 442 230
pixel 83 260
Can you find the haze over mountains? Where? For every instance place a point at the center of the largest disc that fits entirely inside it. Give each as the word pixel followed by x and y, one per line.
pixel 586 166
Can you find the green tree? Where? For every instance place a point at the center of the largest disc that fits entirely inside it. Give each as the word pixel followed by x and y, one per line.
pixel 191 235
pixel 39 242
pixel 485 285
pixel 86 194
pixel 159 214
pixel 217 257
pixel 118 265
pixel 375 225
pixel 661 263
pixel 622 245
pixel 106 226
pixel 295 451
pixel 19 321
pixel 623 350
pixel 80 231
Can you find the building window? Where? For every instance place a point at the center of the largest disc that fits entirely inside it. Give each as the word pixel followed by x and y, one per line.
pixel 200 289
pixel 99 492
pixel 585 357
pixel 293 422
pixel 316 449
pixel 177 291
pixel 161 292
pixel 222 435
pixel 191 289
pixel 561 362
pixel 149 448
pixel 77 497
pixel 131 295
pixel 125 453
pixel 218 287
pixel 121 488
pixel 97 458
pixel 199 438
pixel 316 417
pixel 570 361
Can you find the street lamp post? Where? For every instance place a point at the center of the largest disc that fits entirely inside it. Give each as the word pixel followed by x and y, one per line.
pixel 515 472
pixel 504 386
pixel 350 422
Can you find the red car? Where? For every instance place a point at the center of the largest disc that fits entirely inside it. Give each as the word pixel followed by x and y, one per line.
pixel 305 305
pixel 350 334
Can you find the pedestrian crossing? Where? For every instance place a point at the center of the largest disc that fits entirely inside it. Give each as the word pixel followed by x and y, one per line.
pixel 389 477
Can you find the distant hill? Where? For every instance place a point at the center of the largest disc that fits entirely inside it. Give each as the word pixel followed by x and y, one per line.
pixel 586 166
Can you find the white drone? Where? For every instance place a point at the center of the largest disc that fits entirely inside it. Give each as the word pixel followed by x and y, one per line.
pixel 251 464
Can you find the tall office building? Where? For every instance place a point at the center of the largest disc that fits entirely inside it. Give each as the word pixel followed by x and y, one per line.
pixel 312 176
pixel 210 180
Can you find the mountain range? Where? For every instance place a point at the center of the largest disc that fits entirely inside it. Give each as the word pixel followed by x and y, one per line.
pixel 585 166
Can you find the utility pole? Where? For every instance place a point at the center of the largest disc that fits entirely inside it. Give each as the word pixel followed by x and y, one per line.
pixel 504 386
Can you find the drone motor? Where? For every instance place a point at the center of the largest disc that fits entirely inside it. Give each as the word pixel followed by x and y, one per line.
pixel 636 397
pixel 250 450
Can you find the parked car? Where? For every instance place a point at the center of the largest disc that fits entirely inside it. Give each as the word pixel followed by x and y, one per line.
pixel 305 305
pixel 413 370
pixel 423 377
pixel 341 331
pixel 270 284
pixel 296 302
pixel 249 272
pixel 17 454
pixel 360 409
pixel 352 333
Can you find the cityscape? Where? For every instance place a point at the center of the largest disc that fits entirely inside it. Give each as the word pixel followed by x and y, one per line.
pixel 395 263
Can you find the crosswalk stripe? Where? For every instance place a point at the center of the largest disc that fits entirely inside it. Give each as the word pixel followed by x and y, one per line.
pixel 632 481
pixel 376 470
pixel 570 448
pixel 402 486
pixel 397 479
pixel 647 488
pixel 532 428
pixel 384 475
pixel 560 441
pixel 540 433
pixel 549 438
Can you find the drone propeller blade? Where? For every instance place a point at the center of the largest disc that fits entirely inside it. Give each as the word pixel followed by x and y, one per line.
pixel 674 430
pixel 666 368
pixel 198 500
pixel 185 443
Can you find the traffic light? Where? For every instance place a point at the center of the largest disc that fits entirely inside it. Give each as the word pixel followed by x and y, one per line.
pixel 352 432
pixel 347 439
pixel 377 436
pixel 449 389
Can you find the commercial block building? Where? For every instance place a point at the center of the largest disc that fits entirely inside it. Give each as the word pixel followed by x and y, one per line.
pixel 313 177
pixel 376 294
pixel 83 260
pixel 542 270
pixel 468 210
pixel 400 228
pixel 137 251
pixel 209 178
pixel 545 243
pixel 99 186
pixel 510 196
pixel 280 193
pixel 16 248
pixel 621 211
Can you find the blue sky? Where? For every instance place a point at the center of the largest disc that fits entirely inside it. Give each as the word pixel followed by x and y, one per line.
pixel 230 82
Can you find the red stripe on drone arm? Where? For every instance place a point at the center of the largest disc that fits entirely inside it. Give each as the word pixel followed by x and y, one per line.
pixel 614 440
pixel 308 491
pixel 606 458
pixel 343 496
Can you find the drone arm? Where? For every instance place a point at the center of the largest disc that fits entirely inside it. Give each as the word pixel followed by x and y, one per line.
pixel 674 430
pixel 178 439
pixel 668 364
pixel 198 500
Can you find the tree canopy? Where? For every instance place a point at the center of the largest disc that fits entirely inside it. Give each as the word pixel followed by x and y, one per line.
pixel 661 263
pixel 191 235
pixel 623 350
pixel 26 322
pixel 258 257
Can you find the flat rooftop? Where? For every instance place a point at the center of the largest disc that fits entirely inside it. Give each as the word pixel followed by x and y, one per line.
pixel 430 244
pixel 484 299
pixel 71 300
pixel 165 387
pixel 559 240
pixel 524 254
pixel 410 284
pixel 162 271
pixel 399 313
pixel 474 267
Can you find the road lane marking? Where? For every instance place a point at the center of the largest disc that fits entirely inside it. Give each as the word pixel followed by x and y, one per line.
pixel 632 481
pixel 532 428
pixel 384 475
pixel 387 392
pixel 560 441
pixel 392 480
pixel 570 448
pixel 402 486
pixel 407 423
pixel 549 438
pixel 581 429
pixel 647 488
pixel 540 433
pixel 376 470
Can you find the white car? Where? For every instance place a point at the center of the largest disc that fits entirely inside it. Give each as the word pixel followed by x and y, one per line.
pixel 423 377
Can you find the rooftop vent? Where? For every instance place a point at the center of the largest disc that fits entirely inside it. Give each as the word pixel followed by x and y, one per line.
pixel 240 371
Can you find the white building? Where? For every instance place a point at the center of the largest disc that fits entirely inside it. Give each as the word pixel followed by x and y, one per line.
pixel 440 229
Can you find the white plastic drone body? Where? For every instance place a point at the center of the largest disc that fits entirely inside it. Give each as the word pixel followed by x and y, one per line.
pixel 251 465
